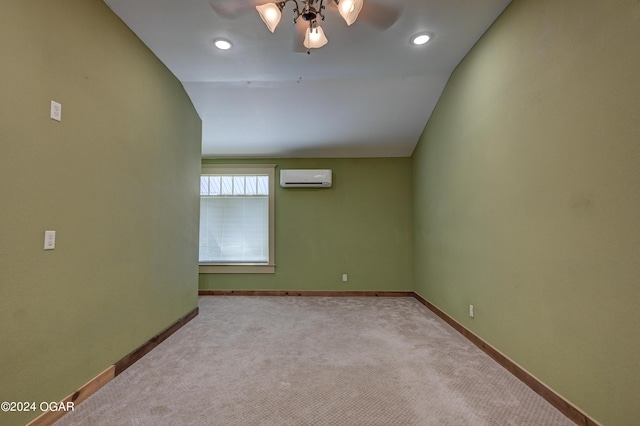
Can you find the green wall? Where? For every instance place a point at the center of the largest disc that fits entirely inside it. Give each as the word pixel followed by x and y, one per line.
pixel 117 179
pixel 361 226
pixel 527 198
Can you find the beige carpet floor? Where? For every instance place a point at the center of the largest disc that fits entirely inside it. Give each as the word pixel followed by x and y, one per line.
pixel 315 361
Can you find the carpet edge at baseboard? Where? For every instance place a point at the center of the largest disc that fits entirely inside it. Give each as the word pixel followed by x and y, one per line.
pixel 145 348
pixel 84 392
pixel 93 385
pixel 315 293
pixel 561 404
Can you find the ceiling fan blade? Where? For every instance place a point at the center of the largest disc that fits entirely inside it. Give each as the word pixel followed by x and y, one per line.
pixel 379 15
pixel 230 9
pixel 298 37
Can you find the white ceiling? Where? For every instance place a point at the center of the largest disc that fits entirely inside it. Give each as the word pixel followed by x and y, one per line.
pixel 367 93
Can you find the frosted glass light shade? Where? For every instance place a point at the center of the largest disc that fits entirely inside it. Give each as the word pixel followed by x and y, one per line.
pixel 270 14
pixel 349 10
pixel 314 38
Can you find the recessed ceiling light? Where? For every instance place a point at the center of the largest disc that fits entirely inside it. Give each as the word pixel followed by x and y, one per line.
pixel 222 44
pixel 420 39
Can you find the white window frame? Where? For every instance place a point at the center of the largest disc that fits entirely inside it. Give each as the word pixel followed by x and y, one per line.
pixel 247 268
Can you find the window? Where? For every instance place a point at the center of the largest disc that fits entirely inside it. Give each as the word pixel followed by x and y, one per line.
pixel 237 219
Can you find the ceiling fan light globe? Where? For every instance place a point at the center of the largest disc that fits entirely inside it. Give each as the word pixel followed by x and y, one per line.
pixel 349 10
pixel 270 14
pixel 314 38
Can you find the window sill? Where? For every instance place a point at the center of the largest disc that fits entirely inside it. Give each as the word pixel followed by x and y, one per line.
pixel 237 269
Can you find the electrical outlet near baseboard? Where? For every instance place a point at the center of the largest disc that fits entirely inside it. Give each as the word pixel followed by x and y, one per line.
pixel 471 311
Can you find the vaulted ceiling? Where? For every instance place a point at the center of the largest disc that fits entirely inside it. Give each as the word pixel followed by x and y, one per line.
pixel 368 93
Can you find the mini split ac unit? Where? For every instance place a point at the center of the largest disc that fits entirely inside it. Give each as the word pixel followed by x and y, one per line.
pixel 309 178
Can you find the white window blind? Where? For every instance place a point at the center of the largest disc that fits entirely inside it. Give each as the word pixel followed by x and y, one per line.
pixel 234 219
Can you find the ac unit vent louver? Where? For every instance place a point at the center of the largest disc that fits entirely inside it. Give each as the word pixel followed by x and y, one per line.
pixel 306 178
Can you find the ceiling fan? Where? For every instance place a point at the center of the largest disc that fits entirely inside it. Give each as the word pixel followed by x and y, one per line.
pixel 308 13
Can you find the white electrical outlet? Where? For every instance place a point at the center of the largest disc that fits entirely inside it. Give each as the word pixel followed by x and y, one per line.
pixel 56 111
pixel 471 311
pixel 345 278
pixel 49 240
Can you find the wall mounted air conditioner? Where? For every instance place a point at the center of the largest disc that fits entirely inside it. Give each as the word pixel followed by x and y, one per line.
pixel 308 178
